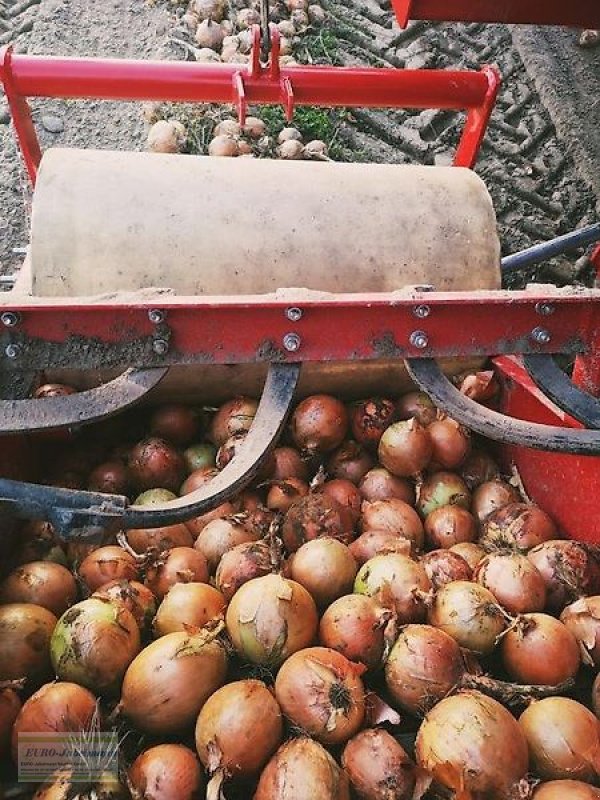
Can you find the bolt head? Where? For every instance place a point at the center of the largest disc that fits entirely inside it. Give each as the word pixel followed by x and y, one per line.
pixel 419 339
pixel 421 312
pixel 291 342
pixel 156 316
pixel 541 336
pixel 293 314
pixel 544 309
pixel 12 350
pixel 160 346
pixel 9 318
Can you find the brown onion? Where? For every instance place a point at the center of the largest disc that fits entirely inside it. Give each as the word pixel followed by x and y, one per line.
pixel 42 583
pixel 398 582
pixel 468 613
pixel 198 478
pixel 313 516
pixel 443 566
pixel 165 772
pixel 25 631
pixel 449 525
pixel 232 448
pixel 167 684
pixel 442 489
pixel 288 463
pixel 350 462
pixel 55 708
pixel 233 417
pixel 53 390
pixel 302 770
pixel 582 618
pixel 179 565
pixel 378 543
pixel 417 405
pixel 480 386
pixel 560 790
pixel 142 539
pixel 319 423
pixel 40 544
pixel 517 526
pixel 283 493
pixel 477 468
pixel 354 625
pixel 136 598
pixel 175 423
pixel 270 618
pixel 110 477
pixel 539 649
pixel 471 744
pixel 153 464
pixel 326 568
pixel 187 606
pixel 345 493
pixel 243 563
pixel 492 495
pixel 10 705
pixel 568 569
pixel 320 691
pixel 405 449
pixel 451 443
pixel 394 516
pixel 106 564
pixel 563 739
pixel 379 484
pixel 423 666
pixel 197 524
pixel 370 418
pixel 218 537
pixel 514 581
pixel 471 552
pixel 378 767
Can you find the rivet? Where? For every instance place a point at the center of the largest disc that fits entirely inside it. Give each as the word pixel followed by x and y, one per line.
pixel 540 335
pixel 293 314
pixel 291 342
pixel 156 316
pixel 421 311
pixel 10 318
pixel 12 351
pixel 160 346
pixel 544 309
pixel 419 339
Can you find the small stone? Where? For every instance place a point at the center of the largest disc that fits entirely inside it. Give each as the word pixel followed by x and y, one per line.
pixel 52 124
pixel 4 115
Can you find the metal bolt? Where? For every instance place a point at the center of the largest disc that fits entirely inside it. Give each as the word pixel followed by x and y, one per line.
pixel 291 342
pixel 544 309
pixel 419 339
pixel 421 311
pixel 156 316
pixel 294 313
pixel 160 346
pixel 10 318
pixel 540 335
pixel 12 351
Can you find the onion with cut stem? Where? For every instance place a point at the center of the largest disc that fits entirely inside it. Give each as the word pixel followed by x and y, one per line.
pixel 442 489
pixel 313 516
pixel 378 767
pixel 405 448
pixel 25 631
pixel 42 583
pixel 165 772
pixel 563 739
pixel 561 790
pixel 319 423
pixel 582 618
pixel 569 570
pixel 179 565
pixel 397 582
pixel 137 599
pixel 243 563
pixel 370 418
pixel 471 552
pixel 320 691
pixel 492 495
pixel 472 745
pixel 326 568
pixel 443 566
pixel 395 516
pixel 417 405
pixel 350 462
pixel 514 581
pixel 380 484
pixel 355 626
pixel 449 525
pixel 470 614
pixel 538 649
pixel 378 543
pixel 233 417
pixel 106 564
pixel 451 443
pixel 188 606
pixel 154 463
pixel 219 536
pixel 478 467
pixel 517 526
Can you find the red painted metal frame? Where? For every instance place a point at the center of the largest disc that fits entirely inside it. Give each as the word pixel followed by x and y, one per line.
pixel 586 371
pixel 579 14
pixel 36 76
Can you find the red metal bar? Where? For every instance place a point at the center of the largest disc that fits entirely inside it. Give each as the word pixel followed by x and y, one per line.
pixel 21 116
pixel 579 14
pixel 586 370
pixel 477 122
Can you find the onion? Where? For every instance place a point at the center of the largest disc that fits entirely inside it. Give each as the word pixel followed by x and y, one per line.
pixel 179 565
pixel 350 462
pixel 423 666
pixel 199 456
pixel 417 405
pixel 370 418
pixel 345 493
pixel 319 423
pixel 568 569
pixel 107 564
pixel 270 618
pixel 41 583
pixel 10 705
pixel 378 543
pixel 234 417
pixel 514 581
pixel 354 625
pixel 254 127
pixel 394 516
pixel 326 568
pixel 443 566
pixel 241 564
pixel 110 477
pixel 154 497
pixel 142 539
pixel 238 730
pixel 218 537
pixel 209 34
pixel 198 478
pixel 291 150
pixel 283 493
pixel 209 8
pixel 257 520
pixel 560 790
pixel 288 463
pixel 227 127
pixel 55 708
pixel 405 448
pixel 153 463
pixel 136 598
pixel 379 484
pixel 563 739
pixel 471 744
pixel 449 525
pixel 451 443
pixel 442 489
pixel 582 618
pixel 480 386
pixel 470 614
pixel 316 14
pixel 231 448
pixel 492 495
pixel 177 424
pixel 477 468
pixel 517 526
pixel 378 767
pixel 313 516
pixel 302 770
pixel 187 606
pixel 40 544
pixel 320 691
pixel 471 552
pixel 539 649
pixel 53 390
pixel 167 684
pixel 25 631
pixel 397 582
pixel 166 136
pixel 165 772
pixel 197 524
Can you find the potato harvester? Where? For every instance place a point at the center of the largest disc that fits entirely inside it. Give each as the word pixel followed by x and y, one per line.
pixel 191 277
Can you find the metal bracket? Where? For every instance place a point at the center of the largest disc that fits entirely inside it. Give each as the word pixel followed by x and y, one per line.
pixel 549 377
